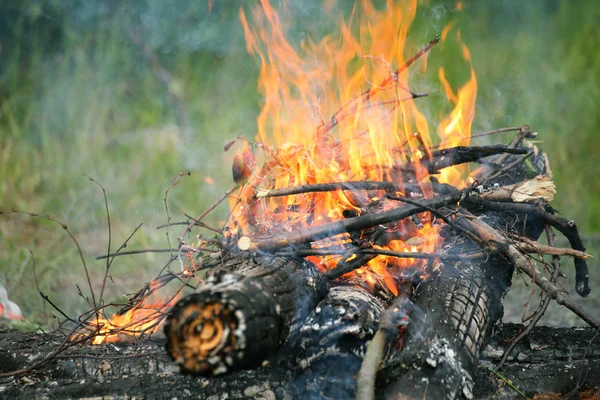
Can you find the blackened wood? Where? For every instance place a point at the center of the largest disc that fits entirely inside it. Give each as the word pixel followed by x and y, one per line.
pixel 328 349
pixel 548 360
pixel 449 325
pixel 444 158
pixel 237 319
pixel 552 360
pixel 440 188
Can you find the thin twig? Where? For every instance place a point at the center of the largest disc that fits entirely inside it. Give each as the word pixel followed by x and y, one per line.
pixel 108 262
pixel 496 242
pixel 543 305
pixel 364 97
pixel 124 245
pixel 66 228
pixel 566 227
pixel 141 251
pixel 175 183
pixel 334 186
pixel 205 213
pixel 501 130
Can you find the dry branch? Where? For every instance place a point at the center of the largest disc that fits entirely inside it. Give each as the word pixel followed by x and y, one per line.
pixel 490 238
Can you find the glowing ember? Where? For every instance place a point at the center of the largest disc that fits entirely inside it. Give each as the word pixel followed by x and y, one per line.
pixel 341 109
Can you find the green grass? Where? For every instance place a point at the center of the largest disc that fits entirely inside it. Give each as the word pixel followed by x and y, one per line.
pixel 89 102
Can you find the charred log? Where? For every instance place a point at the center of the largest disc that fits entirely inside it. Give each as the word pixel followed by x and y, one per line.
pixel 329 348
pixel 449 326
pixel 237 319
pixel 455 311
pixel 550 360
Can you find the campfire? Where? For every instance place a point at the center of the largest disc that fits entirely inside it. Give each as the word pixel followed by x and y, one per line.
pixel 368 247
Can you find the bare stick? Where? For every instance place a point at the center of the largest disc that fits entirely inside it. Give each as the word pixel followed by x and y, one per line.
pixel 388 253
pixel 205 213
pixel 141 251
pixel 564 226
pixel 334 186
pixel 175 183
pixel 539 248
pixel 444 158
pixel 367 94
pixel 108 261
pixel 124 245
pixel 392 318
pixel 543 305
pixel 501 130
pixel 509 167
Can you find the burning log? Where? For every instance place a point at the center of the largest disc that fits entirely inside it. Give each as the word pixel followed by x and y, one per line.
pixel 238 317
pixel 450 323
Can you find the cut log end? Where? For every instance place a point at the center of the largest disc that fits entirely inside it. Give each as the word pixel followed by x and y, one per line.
pixel 205 338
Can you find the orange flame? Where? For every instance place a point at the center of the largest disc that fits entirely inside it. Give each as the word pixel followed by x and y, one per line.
pixel 143 318
pixel 340 109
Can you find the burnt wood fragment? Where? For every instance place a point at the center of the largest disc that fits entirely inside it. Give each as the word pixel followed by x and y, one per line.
pixel 238 318
pixel 567 227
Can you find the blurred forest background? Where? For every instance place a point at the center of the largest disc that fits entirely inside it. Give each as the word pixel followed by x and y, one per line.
pixel 133 92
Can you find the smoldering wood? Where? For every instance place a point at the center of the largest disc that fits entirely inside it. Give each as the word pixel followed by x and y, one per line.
pixel 334 186
pixel 549 360
pixel 450 323
pixel 327 351
pixel 455 310
pixel 241 314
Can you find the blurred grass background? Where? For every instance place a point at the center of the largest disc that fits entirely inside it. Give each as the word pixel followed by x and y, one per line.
pixel 132 93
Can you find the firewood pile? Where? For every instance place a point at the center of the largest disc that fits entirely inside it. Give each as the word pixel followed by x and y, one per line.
pixel 359 262
pixel 264 301
pixel 274 318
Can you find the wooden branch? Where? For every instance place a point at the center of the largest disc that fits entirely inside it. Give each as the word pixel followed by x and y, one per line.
pixel 564 226
pixel 394 317
pixel 319 232
pixel 464 154
pixel 493 240
pixel 538 248
pixel 334 186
